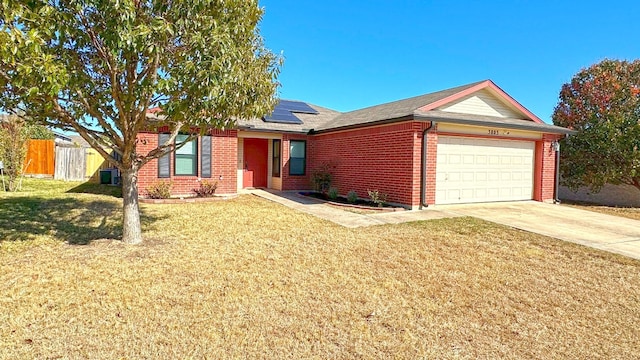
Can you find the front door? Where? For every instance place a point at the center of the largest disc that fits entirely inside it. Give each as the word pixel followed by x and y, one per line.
pixel 255 162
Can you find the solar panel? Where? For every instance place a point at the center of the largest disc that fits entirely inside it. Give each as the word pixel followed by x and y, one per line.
pixel 285 109
pixel 296 107
pixel 282 116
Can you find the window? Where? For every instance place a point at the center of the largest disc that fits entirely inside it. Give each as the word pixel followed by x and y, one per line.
pixel 186 157
pixel 297 157
pixel 275 163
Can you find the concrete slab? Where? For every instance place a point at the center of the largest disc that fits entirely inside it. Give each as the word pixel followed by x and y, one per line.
pixel 316 208
pixel 601 231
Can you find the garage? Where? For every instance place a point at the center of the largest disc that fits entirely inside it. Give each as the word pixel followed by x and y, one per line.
pixel 472 170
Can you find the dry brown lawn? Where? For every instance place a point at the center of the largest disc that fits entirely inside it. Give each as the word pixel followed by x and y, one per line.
pixel 631 213
pixel 247 278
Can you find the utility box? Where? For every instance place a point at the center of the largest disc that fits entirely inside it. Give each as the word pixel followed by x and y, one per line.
pixel 109 177
pixel 105 176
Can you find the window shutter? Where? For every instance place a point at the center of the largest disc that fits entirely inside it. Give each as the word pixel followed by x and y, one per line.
pixel 164 162
pixel 205 157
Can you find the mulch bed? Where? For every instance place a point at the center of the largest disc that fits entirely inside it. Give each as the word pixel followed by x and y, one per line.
pixel 184 200
pixel 343 202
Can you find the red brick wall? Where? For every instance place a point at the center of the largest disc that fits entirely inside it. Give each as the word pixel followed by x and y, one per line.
pixel 387 158
pixel 223 160
pixel 223 164
pixel 547 165
pixel 295 182
pixel 383 158
pixel 432 153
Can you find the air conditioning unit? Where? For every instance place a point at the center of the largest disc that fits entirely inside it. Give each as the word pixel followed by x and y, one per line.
pixel 110 177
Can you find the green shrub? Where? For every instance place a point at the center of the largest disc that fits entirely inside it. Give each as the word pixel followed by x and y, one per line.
pixel 321 178
pixel 159 190
pixel 206 189
pixel 377 197
pixel 352 197
pixel 332 193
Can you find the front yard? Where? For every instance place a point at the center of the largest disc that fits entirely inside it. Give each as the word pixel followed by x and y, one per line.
pixel 631 213
pixel 247 278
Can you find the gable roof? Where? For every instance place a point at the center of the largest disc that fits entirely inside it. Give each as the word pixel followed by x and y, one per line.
pixel 392 110
pixel 491 87
pixel 427 107
pixel 424 107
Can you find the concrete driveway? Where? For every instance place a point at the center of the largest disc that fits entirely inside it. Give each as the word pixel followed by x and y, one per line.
pixel 606 232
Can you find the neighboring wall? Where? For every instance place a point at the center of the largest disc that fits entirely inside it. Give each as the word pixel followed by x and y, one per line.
pixel 223 164
pixel 612 195
pixel 375 158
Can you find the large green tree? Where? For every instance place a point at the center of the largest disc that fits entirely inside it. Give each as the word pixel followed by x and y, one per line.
pixel 602 103
pixel 95 67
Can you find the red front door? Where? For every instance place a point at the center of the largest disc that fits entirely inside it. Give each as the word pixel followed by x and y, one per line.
pixel 255 162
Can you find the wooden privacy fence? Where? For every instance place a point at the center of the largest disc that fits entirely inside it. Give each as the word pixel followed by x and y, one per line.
pixel 40 157
pixel 70 163
pixel 95 162
pixel 64 161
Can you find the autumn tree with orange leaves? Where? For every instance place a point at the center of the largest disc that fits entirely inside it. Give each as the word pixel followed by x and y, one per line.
pixel 602 103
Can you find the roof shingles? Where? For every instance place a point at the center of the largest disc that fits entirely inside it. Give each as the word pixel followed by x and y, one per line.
pixel 392 110
pixel 328 120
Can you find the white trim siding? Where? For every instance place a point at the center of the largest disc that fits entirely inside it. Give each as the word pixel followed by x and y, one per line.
pixel 482 103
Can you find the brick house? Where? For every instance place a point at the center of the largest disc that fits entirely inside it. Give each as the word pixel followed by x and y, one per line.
pixel 472 143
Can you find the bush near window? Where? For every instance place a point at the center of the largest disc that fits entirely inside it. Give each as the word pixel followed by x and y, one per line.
pixel 159 190
pixel 206 189
pixel 321 178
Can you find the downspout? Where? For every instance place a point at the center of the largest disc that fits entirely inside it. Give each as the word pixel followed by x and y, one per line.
pixel 423 166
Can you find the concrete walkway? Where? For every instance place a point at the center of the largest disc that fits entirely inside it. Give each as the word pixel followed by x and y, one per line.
pixel 342 217
pixel 601 231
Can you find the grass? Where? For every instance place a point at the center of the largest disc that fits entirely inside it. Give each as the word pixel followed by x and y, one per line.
pixel 247 278
pixel 628 212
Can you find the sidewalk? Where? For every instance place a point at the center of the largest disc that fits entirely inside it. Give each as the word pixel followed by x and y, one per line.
pixel 342 217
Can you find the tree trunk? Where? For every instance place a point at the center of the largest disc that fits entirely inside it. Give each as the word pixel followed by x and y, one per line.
pixel 131 229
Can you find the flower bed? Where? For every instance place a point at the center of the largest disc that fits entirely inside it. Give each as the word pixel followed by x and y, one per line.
pixel 359 204
pixel 186 199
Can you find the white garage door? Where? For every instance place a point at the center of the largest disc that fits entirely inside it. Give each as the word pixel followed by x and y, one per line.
pixel 482 170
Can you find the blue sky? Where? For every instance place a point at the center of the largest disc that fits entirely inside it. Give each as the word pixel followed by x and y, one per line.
pixel 347 55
